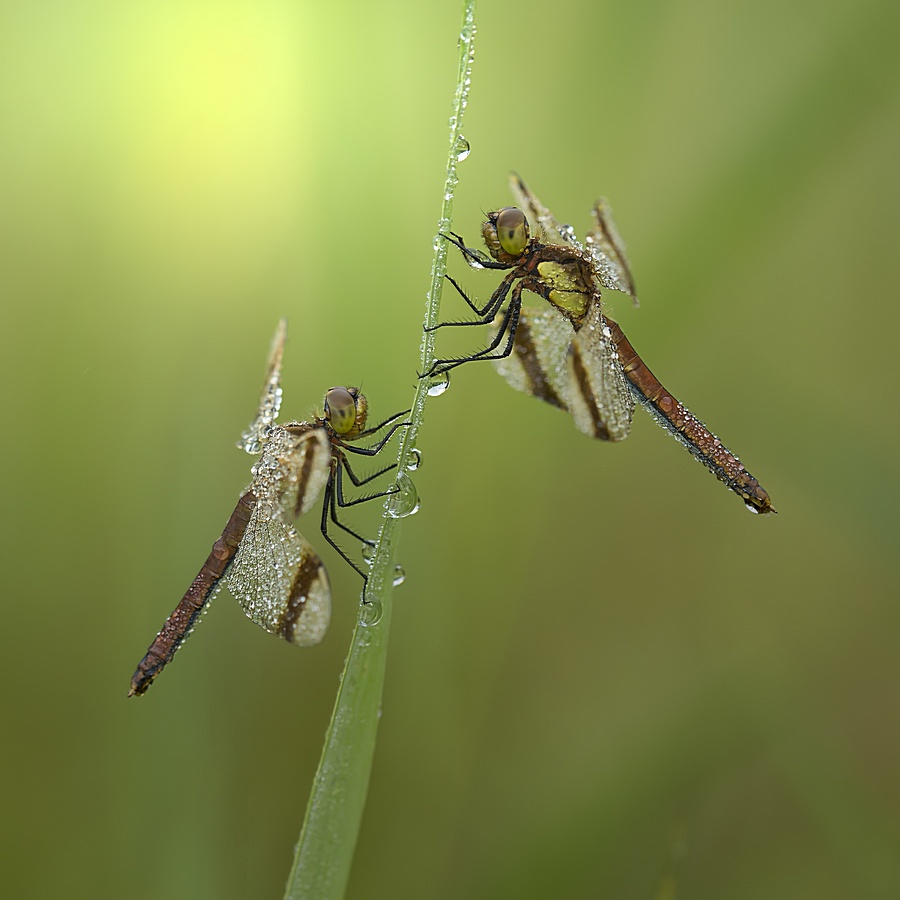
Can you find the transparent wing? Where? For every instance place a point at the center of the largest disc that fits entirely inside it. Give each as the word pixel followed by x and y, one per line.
pixel 543 225
pixel 276 576
pixel 537 364
pixel 598 394
pixel 578 371
pixel 607 251
pixel 256 434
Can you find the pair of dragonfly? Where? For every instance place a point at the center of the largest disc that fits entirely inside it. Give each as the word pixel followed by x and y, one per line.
pixel 569 354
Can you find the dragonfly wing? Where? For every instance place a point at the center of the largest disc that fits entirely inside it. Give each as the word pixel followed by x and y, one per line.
pixel 598 395
pixel 257 432
pixel 276 576
pixel 543 224
pixel 537 364
pixel 607 251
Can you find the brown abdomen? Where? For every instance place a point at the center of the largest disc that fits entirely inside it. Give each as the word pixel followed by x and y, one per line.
pixel 183 618
pixel 687 428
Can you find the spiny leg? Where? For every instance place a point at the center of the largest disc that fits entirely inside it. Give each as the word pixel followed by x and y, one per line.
pixel 343 463
pixel 377 428
pixel 506 330
pixel 476 259
pixel 329 510
pixel 359 482
pixel 473 257
pixel 334 498
pixel 377 448
pixel 485 313
pixel 336 494
pixel 371 451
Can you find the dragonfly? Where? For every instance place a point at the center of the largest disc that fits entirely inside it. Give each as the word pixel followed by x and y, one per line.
pixel 570 353
pixel 273 571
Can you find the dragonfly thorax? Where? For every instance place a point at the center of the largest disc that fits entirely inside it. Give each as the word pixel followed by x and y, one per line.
pixel 566 282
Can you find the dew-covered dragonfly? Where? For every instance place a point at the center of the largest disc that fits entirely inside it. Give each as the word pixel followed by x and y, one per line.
pixel 570 353
pixel 269 567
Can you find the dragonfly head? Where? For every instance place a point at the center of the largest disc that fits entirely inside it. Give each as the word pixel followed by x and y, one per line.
pixel 346 410
pixel 506 234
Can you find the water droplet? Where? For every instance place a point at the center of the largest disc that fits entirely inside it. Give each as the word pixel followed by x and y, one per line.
pixel 438 384
pixel 368 553
pixel 405 500
pixel 461 149
pixel 415 460
pixel 567 233
pixel 370 612
pixel 399 576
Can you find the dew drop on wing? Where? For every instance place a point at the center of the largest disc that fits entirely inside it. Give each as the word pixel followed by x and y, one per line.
pixel 405 500
pixel 370 613
pixel 399 576
pixel 567 233
pixel 368 553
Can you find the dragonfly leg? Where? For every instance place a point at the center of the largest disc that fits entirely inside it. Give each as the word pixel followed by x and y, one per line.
pixel 377 448
pixel 473 257
pixel 334 489
pixel 359 482
pixel 485 313
pixel 329 510
pixel 507 331
pixel 339 493
pixel 334 498
pixel 377 428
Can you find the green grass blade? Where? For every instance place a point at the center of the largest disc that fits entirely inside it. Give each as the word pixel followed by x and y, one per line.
pixel 324 852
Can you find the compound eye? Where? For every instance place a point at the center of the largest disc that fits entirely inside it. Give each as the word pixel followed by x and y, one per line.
pixel 340 409
pixel 512 230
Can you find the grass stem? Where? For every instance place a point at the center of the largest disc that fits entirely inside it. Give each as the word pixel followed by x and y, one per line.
pixel 324 853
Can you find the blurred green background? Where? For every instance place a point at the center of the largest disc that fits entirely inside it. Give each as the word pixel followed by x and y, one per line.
pixel 600 662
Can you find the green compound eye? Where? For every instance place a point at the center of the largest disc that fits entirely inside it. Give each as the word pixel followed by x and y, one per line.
pixel 512 230
pixel 340 410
